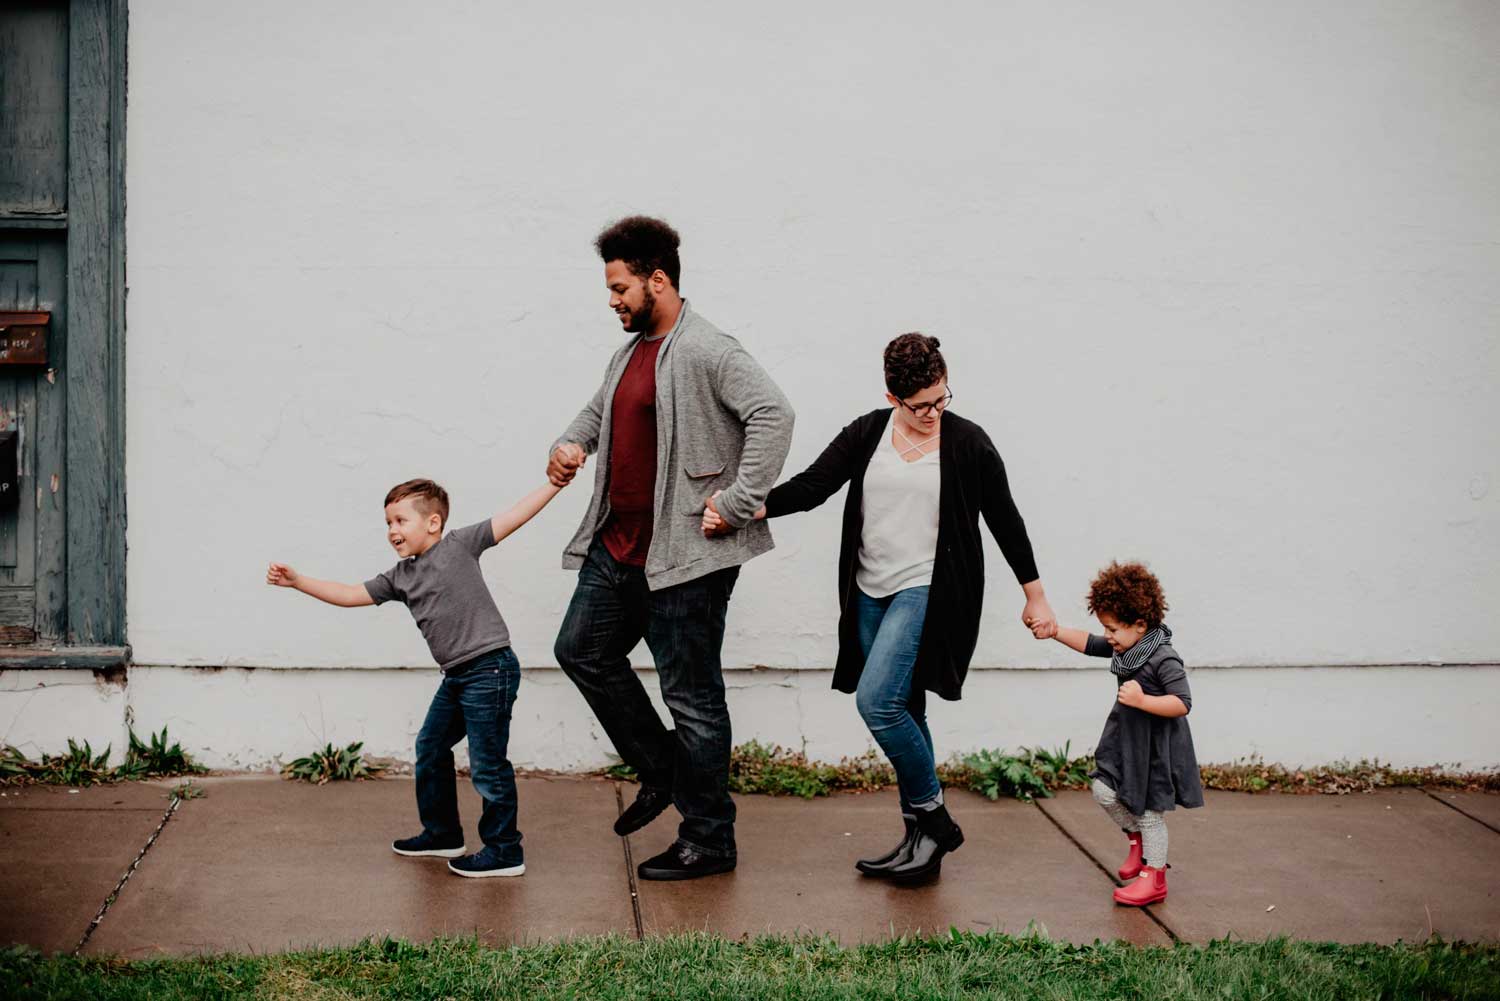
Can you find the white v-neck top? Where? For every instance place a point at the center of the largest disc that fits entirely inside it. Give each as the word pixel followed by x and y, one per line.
pixel 899 541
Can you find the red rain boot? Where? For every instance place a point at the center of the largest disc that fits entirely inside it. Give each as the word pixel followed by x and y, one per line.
pixel 1149 887
pixel 1131 867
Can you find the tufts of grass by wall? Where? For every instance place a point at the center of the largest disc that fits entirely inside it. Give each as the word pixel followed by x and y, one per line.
pixel 1037 773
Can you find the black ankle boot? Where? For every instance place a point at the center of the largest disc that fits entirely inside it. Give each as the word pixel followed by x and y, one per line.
pixel 881 866
pixel 937 835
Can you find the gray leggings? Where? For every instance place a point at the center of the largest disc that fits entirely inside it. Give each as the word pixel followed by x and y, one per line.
pixel 1151 825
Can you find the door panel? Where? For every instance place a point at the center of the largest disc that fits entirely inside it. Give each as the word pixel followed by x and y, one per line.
pixel 33 107
pixel 33 275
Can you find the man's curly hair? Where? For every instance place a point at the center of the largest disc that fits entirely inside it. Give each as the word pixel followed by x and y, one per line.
pixel 644 244
pixel 1130 593
pixel 912 363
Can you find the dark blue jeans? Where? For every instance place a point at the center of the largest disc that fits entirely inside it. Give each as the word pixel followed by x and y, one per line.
pixel 473 700
pixel 895 710
pixel 611 610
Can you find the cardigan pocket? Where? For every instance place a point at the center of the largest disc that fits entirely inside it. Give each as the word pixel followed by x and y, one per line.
pixel 702 481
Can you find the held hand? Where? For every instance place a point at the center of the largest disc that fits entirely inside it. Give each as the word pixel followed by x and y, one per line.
pixel 281 575
pixel 566 460
pixel 1131 694
pixel 1037 616
pixel 714 525
pixel 712 522
pixel 1045 631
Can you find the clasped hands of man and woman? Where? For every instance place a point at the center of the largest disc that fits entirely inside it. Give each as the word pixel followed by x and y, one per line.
pixel 567 459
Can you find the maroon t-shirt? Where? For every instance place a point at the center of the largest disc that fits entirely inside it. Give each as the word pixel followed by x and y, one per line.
pixel 632 458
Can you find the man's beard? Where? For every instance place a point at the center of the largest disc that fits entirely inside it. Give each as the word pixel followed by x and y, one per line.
pixel 640 320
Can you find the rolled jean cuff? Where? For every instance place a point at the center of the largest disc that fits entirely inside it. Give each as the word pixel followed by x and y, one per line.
pixel 930 804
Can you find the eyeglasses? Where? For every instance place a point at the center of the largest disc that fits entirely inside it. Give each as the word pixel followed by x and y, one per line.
pixel 923 409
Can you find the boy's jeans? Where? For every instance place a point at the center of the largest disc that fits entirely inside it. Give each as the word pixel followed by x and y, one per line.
pixel 684 627
pixel 473 700
pixel 895 710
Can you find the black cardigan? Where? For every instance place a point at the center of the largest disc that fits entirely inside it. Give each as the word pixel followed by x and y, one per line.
pixel 972 483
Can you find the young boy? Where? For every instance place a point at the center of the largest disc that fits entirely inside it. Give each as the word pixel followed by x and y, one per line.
pixel 1145 763
pixel 439 580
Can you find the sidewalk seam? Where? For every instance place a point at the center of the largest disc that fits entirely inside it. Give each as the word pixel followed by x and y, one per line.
pixel 125 878
pixel 635 890
pixel 78 809
pixel 1100 866
pixel 1458 809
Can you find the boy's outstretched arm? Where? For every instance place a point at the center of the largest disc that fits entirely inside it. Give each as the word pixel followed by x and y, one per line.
pixel 343 595
pixel 522 511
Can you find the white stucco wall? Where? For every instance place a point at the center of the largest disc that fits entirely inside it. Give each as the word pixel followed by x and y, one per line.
pixel 238 718
pixel 1220 280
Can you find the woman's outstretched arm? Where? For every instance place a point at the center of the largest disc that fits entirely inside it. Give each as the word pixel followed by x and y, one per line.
pixel 821 480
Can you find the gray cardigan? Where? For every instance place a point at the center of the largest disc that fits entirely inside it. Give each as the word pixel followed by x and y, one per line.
pixel 721 424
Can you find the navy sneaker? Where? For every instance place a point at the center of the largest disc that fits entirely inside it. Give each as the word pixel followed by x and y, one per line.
pixel 487 862
pixel 425 844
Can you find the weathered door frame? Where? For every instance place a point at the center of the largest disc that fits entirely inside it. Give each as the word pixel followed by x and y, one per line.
pixel 96 322
pixel 94 221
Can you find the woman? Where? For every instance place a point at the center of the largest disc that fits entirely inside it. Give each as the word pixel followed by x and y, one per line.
pixel 911 574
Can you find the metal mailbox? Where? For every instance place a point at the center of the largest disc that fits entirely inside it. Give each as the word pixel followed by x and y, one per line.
pixel 23 338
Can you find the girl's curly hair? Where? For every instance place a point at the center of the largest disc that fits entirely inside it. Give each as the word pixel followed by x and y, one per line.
pixel 1130 593
pixel 912 363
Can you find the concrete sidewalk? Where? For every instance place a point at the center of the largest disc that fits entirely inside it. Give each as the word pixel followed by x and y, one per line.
pixel 259 864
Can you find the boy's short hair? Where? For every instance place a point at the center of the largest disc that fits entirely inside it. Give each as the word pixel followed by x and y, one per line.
pixel 912 363
pixel 1130 593
pixel 429 497
pixel 645 245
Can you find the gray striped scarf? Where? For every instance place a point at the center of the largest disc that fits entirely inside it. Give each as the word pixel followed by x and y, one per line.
pixel 1127 663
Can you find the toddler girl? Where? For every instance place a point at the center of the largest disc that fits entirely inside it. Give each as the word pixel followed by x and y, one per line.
pixel 1145 763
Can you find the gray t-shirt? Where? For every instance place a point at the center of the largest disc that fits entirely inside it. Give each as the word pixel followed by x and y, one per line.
pixel 446 594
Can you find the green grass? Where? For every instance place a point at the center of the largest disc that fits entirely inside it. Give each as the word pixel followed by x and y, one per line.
pixel 770 769
pixel 331 764
pixel 1032 773
pixel 155 757
pixel 1254 775
pixel 701 966
pixel 1026 775
pixel 773 770
pixel 81 766
pixel 777 771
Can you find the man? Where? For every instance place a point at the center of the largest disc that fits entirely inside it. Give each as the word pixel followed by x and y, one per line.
pixel 683 413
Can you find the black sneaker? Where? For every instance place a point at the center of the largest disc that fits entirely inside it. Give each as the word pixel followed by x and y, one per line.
pixel 684 862
pixel 649 804
pixel 425 844
pixel 487 862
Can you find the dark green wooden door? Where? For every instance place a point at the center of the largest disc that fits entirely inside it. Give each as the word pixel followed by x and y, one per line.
pixel 61 252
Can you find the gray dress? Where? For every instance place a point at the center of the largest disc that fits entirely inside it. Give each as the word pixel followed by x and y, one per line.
pixel 1148 760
